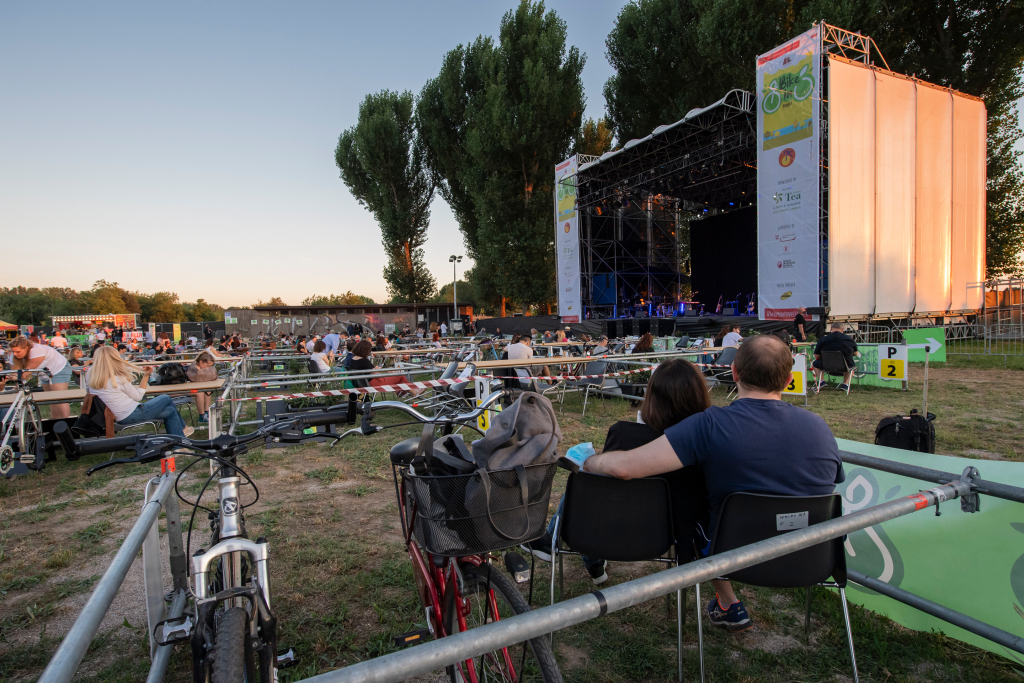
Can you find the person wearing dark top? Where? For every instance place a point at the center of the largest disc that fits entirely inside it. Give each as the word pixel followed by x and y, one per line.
pixel 675 391
pixel 835 340
pixel 800 325
pixel 208 332
pixel 350 346
pixel 361 356
pixel 757 444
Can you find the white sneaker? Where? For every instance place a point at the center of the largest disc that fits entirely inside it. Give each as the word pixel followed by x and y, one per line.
pixel 188 431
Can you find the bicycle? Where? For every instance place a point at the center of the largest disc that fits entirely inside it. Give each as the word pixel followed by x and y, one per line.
pixel 461 591
pixel 232 628
pixel 23 422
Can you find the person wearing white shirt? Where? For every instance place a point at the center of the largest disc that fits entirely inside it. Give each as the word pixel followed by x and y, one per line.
pixel 444 330
pixel 521 350
pixel 110 378
pixel 58 341
pixel 29 356
pixel 733 338
pixel 192 341
pixel 101 334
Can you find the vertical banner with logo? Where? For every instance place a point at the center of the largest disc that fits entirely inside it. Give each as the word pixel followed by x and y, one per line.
pixel 567 242
pixel 788 83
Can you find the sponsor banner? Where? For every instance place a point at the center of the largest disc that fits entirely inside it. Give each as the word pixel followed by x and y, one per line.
pixel 788 80
pixel 567 242
pixel 928 554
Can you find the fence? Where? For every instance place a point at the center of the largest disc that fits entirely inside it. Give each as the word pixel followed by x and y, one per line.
pixel 962 339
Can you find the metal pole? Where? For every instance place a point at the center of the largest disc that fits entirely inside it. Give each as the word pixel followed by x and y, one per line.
pixel 991 488
pixel 455 289
pixel 927 354
pixel 163 653
pixel 980 628
pixel 433 655
pixel 69 655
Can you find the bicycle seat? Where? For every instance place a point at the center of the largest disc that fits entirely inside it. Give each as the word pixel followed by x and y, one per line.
pixel 403 452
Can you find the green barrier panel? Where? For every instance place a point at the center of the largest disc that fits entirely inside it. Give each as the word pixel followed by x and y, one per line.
pixel 972 563
pixel 867 362
pixel 920 337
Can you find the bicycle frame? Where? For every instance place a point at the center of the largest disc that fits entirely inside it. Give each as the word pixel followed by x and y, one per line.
pixel 434 582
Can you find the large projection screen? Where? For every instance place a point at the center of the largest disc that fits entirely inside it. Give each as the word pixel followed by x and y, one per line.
pixel 895 176
pixel 851 240
pixel 967 248
pixel 934 198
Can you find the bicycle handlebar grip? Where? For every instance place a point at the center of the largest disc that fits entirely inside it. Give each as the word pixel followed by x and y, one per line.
pixel 67 442
pixel 118 443
pixel 327 418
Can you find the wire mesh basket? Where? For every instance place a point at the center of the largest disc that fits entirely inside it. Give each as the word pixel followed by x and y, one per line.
pixel 469 514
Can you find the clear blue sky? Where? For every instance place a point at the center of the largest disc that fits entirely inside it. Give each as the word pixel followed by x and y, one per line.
pixel 190 147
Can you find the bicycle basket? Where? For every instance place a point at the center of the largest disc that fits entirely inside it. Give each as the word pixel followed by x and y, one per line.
pixel 469 514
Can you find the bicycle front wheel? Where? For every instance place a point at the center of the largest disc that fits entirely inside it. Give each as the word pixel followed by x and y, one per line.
pixel 231 655
pixel 531 661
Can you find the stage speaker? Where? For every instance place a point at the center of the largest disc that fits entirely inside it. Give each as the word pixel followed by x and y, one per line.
pixel 728 311
pixel 626 326
pixel 690 313
pixel 613 328
pixel 644 326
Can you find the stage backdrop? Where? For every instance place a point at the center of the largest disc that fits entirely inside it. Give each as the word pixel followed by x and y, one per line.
pixel 788 82
pixel 567 242
pixel 907 194
pixel 723 254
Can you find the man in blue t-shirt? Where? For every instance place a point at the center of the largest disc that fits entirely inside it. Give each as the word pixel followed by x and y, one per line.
pixel 757 444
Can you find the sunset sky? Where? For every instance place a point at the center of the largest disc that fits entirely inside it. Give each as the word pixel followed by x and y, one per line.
pixel 190 147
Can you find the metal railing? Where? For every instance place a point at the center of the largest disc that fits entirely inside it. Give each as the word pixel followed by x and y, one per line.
pixel 451 649
pixel 143 536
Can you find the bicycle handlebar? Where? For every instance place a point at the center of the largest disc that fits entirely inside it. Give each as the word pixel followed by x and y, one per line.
pixel 150 448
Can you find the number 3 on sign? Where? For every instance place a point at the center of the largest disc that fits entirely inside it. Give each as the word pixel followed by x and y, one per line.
pixel 892 361
pixel 797 386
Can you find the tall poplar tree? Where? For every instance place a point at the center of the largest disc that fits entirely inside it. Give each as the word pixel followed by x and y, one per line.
pixel 497 119
pixel 382 162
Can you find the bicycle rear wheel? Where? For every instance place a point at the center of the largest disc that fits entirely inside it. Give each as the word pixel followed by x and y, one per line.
pixel 520 663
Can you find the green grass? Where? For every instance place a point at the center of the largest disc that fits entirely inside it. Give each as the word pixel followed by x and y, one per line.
pixel 342 583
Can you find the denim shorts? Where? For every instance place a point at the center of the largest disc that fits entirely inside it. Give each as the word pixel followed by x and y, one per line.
pixel 62 377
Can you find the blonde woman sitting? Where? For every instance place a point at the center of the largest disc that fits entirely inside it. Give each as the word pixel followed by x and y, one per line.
pixel 110 378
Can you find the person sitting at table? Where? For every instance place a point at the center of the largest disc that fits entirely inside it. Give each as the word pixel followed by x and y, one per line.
pixel 322 357
pixel 361 353
pixel 123 351
pixel 350 346
pixel 209 348
pixel 756 444
pixel 498 334
pixel 559 336
pixel 548 337
pixel 645 345
pixel 734 337
pixel 602 346
pixel 203 369
pixel 92 349
pixel 57 341
pixel 435 340
pixel 675 391
pixel 726 329
pixel 835 340
pixel 110 378
pixel 29 356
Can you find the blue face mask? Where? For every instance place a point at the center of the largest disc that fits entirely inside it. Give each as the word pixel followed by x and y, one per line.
pixel 579 453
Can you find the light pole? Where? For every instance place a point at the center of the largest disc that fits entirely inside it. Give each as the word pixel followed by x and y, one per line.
pixel 453 259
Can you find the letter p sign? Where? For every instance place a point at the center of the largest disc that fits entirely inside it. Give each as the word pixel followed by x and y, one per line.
pixel 892 362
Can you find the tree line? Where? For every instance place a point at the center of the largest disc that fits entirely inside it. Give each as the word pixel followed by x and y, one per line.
pixel 487 131
pixel 34 306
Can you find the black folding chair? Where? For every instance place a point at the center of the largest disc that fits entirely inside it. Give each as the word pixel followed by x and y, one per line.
pixel 621 521
pixel 833 363
pixel 683 342
pixel 751 517
pixel 723 375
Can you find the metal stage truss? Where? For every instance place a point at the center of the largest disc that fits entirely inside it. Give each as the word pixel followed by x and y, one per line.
pixel 637 202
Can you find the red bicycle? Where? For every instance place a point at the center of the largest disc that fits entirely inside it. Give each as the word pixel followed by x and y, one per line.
pixel 459 584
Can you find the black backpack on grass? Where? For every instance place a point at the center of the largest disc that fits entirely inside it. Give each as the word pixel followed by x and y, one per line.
pixel 913 432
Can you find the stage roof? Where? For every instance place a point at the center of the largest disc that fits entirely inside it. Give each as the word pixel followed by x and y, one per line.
pixel 707 160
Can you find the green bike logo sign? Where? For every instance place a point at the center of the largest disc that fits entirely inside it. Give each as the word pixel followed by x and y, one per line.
pixel 567 188
pixel 788 87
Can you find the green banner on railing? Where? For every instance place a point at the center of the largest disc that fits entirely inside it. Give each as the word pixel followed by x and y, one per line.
pixel 972 563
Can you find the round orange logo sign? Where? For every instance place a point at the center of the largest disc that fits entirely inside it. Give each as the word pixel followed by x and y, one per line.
pixel 787 157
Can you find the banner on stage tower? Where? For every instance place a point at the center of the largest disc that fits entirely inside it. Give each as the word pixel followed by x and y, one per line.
pixel 788 83
pixel 567 242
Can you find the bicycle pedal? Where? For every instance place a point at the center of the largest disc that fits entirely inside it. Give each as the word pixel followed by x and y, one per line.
pixel 411 637
pixel 169 631
pixel 287 658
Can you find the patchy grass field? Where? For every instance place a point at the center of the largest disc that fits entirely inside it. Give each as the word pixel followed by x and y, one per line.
pixel 342 586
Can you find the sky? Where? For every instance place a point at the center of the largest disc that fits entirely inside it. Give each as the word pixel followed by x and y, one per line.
pixel 189 147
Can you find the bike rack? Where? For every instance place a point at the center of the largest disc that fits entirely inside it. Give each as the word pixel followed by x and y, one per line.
pixel 144 535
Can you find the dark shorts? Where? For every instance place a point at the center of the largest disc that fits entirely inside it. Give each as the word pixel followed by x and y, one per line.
pixel 816 363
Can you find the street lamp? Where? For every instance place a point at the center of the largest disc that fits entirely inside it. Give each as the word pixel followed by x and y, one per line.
pixel 453 259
